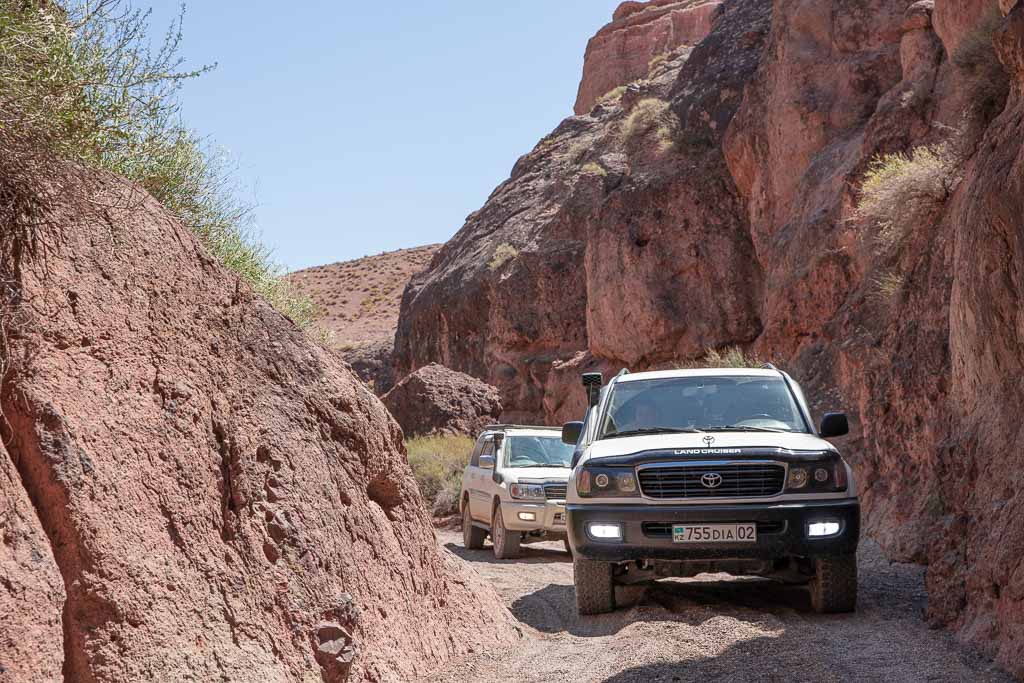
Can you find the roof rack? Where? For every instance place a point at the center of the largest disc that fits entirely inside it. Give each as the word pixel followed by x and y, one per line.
pixel 769 366
pixel 513 426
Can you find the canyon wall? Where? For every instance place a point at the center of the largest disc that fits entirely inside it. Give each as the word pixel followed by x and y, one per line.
pixel 622 51
pixel 190 488
pixel 714 204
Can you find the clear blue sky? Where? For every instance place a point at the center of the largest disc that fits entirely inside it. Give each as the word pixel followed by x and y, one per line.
pixel 363 127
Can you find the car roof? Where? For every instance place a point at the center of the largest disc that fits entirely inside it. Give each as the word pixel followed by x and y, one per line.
pixel 700 372
pixel 521 428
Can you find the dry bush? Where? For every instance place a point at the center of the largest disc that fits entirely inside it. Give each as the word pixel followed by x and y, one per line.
pixel 437 463
pixel 653 118
pixel 612 96
pixel 900 190
pixel 656 60
pixel 729 357
pixel 594 168
pixel 502 255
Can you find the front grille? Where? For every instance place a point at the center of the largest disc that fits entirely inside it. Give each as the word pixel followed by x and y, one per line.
pixel 555 491
pixel 664 529
pixel 738 480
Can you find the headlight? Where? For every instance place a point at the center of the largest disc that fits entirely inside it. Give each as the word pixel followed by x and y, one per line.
pixel 817 477
pixel 526 491
pixel 610 482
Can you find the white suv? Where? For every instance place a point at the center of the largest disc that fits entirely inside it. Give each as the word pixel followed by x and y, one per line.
pixel 514 488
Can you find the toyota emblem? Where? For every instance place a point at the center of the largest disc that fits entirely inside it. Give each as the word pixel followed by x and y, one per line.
pixel 708 439
pixel 711 480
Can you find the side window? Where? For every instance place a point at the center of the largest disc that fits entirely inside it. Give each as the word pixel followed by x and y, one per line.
pixel 474 460
pixel 488 446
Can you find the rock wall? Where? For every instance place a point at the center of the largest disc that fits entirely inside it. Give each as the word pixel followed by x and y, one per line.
pixel 640 31
pixel 714 205
pixel 193 490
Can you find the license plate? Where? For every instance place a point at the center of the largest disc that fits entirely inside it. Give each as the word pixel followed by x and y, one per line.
pixel 714 533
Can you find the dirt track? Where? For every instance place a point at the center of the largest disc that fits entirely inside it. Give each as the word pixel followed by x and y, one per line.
pixel 713 628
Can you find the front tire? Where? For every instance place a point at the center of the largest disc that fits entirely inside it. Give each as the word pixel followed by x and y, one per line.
pixel 595 587
pixel 834 586
pixel 506 543
pixel 472 535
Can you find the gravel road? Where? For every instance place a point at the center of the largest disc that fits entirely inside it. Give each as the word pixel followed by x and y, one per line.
pixel 712 628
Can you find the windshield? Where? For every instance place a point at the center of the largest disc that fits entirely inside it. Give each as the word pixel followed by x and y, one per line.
pixel 739 403
pixel 538 451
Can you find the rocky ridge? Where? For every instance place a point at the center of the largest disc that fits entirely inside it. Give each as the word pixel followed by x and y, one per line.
pixel 714 204
pixel 190 489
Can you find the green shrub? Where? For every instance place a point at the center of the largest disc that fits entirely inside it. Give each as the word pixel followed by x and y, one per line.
pixel 899 190
pixel 651 117
pixel 502 255
pixel 437 463
pixel 84 82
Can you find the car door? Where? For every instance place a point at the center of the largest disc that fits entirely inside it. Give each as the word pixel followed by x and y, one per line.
pixel 481 482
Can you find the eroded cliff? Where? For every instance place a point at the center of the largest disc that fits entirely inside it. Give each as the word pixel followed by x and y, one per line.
pixel 715 203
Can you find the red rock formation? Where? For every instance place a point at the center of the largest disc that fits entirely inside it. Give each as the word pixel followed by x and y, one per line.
pixel 436 400
pixel 223 499
pixel 644 233
pixel 31 592
pixel 640 31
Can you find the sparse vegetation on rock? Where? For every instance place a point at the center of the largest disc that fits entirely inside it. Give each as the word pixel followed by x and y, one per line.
pixel 900 190
pixel 83 84
pixel 503 254
pixel 653 117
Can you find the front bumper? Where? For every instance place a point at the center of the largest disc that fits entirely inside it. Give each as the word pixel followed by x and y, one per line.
pixel 548 515
pixel 782 530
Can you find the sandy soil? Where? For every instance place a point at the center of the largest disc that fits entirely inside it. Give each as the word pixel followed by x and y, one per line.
pixel 359 300
pixel 712 628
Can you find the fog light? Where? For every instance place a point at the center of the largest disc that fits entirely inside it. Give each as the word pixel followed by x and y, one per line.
pixel 822 529
pixel 527 516
pixel 605 531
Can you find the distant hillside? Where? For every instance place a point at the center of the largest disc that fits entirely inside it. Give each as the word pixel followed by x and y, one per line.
pixel 358 302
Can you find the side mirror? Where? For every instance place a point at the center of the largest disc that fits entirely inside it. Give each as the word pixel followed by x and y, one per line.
pixel 571 432
pixel 486 462
pixel 834 424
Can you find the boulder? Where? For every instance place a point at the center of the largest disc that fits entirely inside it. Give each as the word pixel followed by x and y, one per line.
pixel 437 400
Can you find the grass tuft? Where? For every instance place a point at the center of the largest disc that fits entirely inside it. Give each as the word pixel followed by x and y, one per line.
pixel 612 96
pixel 653 118
pixel 502 255
pixel 437 463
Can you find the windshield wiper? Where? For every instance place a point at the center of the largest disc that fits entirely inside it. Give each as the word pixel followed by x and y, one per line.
pixel 745 428
pixel 653 430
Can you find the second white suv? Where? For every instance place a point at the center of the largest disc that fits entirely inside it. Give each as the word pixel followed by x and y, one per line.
pixel 513 489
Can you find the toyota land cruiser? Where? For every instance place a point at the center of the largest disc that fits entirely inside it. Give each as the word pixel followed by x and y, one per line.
pixel 514 488
pixel 682 472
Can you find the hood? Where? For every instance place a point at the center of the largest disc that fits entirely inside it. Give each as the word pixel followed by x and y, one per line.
pixel 537 474
pixel 628 445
